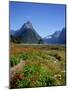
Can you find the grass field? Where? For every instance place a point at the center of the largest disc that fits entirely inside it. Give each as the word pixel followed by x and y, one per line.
pixel 37 65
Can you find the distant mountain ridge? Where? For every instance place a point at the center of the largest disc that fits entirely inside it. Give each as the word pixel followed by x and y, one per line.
pixel 62 37
pixel 56 34
pixel 59 37
pixel 27 34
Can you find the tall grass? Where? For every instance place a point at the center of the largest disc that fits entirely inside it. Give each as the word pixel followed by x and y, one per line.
pixel 45 66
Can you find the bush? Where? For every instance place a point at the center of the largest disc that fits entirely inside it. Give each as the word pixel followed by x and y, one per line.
pixel 34 74
pixel 23 56
pixel 13 61
pixel 46 81
pixel 23 83
pixel 29 71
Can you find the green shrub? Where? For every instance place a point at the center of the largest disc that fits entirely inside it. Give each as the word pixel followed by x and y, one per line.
pixel 44 76
pixel 29 71
pixel 23 83
pixel 13 61
pixel 46 81
pixel 23 56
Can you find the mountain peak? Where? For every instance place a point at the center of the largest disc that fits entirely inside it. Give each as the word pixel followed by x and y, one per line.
pixel 28 22
pixel 28 25
pixel 56 34
pixel 27 34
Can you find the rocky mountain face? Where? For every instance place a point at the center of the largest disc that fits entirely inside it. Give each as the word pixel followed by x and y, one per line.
pixel 59 37
pixel 27 34
pixel 62 36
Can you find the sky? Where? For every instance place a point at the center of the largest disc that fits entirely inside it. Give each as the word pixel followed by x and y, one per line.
pixel 45 18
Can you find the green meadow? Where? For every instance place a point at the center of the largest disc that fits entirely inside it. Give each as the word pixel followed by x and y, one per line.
pixel 37 65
